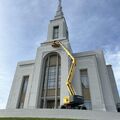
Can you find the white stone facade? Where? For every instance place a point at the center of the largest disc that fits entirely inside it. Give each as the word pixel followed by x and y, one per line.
pixel 101 88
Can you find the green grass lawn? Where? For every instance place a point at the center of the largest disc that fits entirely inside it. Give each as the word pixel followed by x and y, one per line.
pixel 32 119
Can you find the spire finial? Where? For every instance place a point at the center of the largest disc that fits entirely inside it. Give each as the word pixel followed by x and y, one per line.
pixel 59 13
pixel 60 2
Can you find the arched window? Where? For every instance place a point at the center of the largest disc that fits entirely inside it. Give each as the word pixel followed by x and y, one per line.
pixel 51 82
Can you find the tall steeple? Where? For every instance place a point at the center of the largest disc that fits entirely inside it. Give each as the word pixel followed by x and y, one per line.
pixel 57 28
pixel 59 12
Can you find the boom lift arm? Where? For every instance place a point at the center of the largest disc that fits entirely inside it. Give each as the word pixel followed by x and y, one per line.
pixel 73 100
pixel 72 67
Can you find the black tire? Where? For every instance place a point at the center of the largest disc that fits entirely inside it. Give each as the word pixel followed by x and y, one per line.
pixel 84 108
pixel 63 107
pixel 118 109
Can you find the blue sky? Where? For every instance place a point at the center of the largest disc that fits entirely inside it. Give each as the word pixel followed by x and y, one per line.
pixel 93 24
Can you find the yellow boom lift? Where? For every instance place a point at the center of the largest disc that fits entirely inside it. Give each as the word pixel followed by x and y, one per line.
pixel 73 101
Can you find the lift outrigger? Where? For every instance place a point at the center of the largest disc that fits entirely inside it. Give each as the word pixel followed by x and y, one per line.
pixel 73 101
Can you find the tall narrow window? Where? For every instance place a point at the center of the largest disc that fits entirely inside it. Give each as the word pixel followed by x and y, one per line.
pixel 55 32
pixel 85 88
pixel 23 92
pixel 51 82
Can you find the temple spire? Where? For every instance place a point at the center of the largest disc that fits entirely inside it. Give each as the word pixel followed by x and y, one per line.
pixel 57 28
pixel 60 2
pixel 59 13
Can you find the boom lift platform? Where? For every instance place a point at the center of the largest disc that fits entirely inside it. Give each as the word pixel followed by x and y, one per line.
pixel 73 101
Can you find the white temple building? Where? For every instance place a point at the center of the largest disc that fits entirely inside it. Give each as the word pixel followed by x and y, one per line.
pixel 40 84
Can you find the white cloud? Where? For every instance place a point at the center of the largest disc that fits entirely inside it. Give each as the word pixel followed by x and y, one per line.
pixel 6 77
pixel 113 58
